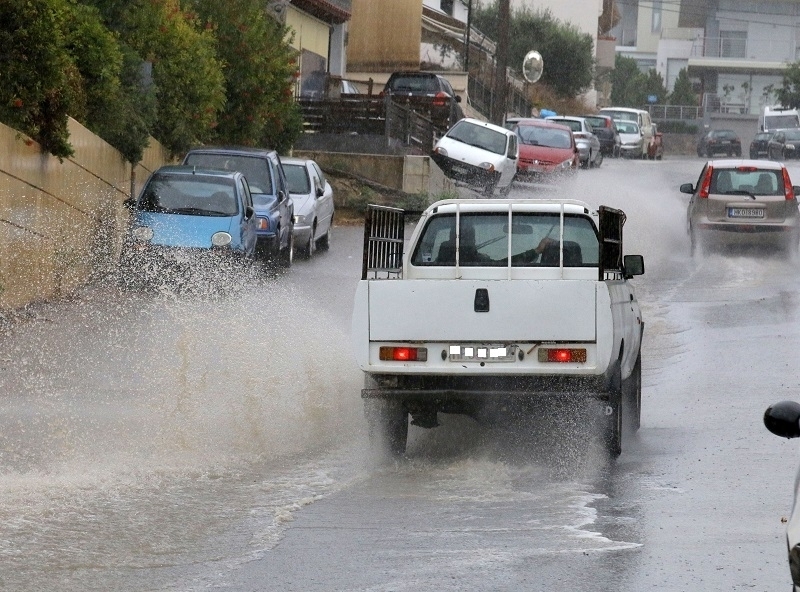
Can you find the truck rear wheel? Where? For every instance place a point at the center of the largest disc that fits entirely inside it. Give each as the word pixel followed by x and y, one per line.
pixel 387 422
pixel 632 397
pixel 612 434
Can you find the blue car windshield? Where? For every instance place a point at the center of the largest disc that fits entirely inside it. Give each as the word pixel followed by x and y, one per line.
pixel 297 178
pixel 195 195
pixel 255 169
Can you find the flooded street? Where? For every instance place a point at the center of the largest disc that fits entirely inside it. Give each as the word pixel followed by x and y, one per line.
pixel 163 441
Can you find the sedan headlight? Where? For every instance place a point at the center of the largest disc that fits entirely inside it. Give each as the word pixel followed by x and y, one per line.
pixel 567 164
pixel 221 239
pixel 299 219
pixel 262 223
pixel 790 146
pixel 487 166
pixel 441 151
pixel 142 233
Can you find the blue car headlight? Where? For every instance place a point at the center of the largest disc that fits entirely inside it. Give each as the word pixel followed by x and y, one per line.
pixel 142 233
pixel 221 239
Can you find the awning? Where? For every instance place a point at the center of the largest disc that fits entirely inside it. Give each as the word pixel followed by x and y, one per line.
pixel 324 10
pixel 742 66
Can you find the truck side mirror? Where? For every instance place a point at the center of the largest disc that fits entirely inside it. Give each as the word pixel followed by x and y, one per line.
pixel 633 265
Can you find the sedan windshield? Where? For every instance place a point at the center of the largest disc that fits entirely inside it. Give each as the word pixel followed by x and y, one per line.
pixel 297 178
pixel 197 195
pixel 479 137
pixel 255 170
pixel 543 136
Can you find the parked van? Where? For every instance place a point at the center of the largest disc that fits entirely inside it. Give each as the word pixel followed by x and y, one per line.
pixel 638 116
pixel 776 117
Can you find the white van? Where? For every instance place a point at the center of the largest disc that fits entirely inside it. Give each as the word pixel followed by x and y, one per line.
pixel 640 117
pixel 776 117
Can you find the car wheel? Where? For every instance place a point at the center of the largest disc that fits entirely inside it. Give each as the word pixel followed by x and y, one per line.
pixel 738 153
pixel 308 248
pixel 599 160
pixel 699 152
pixel 324 242
pixel 286 256
pixel 793 247
pixel 632 397
pixel 387 424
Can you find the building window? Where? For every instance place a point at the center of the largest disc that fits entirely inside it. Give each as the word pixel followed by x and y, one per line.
pixel 447 6
pixel 733 44
pixel 655 23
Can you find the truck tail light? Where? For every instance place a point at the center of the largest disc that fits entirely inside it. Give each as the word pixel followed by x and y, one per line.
pixel 562 354
pixel 705 185
pixel 403 354
pixel 788 191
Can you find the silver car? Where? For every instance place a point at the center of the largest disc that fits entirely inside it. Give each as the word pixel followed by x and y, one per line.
pixel 783 419
pixel 745 202
pixel 313 204
pixel 587 142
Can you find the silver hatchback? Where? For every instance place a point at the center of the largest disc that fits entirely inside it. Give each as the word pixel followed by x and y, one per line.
pixel 743 201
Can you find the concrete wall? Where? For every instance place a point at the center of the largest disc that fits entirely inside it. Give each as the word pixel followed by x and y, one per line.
pixel 409 173
pixel 61 222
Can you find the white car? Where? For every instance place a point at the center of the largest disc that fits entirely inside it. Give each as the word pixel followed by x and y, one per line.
pixel 479 154
pixel 783 419
pixel 586 141
pixel 630 138
pixel 313 204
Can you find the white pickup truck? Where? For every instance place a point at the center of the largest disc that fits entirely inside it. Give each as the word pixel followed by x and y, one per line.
pixel 497 301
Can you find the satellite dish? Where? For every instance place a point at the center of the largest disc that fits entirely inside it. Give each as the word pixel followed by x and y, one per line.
pixel 532 66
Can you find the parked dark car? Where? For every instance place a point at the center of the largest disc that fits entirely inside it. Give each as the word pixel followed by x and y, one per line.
pixel 271 200
pixel 606 131
pixel 759 147
pixel 443 100
pixel 719 142
pixel 784 144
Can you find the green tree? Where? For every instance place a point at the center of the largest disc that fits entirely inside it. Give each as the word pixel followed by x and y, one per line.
pixel 788 95
pixel 39 82
pixel 624 80
pixel 682 92
pixel 187 86
pixel 259 68
pixel 567 53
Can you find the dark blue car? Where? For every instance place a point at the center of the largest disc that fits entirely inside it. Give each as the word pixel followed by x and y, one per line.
pixel 271 199
pixel 187 218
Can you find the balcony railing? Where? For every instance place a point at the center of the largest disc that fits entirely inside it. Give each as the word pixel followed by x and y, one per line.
pixel 759 48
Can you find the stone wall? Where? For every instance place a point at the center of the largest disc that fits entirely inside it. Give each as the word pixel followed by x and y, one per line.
pixel 61 221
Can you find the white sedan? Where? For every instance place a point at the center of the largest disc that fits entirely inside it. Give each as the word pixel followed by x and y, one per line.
pixel 313 204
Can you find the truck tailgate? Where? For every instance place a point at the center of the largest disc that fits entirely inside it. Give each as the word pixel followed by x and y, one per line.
pixel 519 310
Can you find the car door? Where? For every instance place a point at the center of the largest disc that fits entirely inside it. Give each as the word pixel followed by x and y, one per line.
pixel 285 203
pixel 324 201
pixel 775 146
pixel 247 221
pixel 512 155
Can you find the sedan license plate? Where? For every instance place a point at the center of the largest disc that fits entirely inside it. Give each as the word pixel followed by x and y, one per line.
pixel 745 212
pixel 460 170
pixel 483 353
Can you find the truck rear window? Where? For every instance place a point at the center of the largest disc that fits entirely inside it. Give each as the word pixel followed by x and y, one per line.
pixel 485 238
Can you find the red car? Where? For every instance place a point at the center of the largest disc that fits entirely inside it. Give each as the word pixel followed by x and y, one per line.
pixel 545 149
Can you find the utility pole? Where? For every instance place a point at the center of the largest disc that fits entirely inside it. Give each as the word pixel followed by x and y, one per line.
pixel 466 40
pixel 501 63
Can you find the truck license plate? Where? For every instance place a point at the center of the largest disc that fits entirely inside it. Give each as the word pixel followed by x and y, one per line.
pixel 483 353
pixel 745 212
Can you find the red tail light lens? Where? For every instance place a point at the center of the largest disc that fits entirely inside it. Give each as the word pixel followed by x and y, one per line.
pixel 705 185
pixel 403 354
pixel 440 99
pixel 562 355
pixel 788 190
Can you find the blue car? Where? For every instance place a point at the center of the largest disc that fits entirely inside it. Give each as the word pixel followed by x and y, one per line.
pixel 186 219
pixel 271 200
